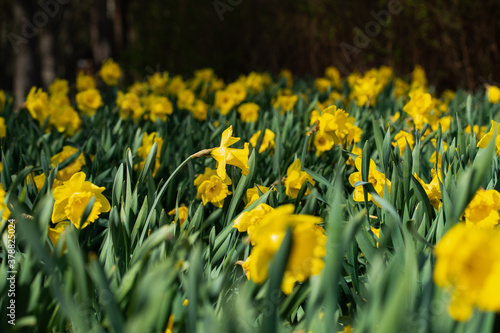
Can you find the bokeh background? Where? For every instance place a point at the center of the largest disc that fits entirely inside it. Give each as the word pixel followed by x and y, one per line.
pixel 456 41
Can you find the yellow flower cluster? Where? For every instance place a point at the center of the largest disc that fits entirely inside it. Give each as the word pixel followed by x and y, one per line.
pixel 267 141
pixel 212 188
pixel 376 178
pixel 147 143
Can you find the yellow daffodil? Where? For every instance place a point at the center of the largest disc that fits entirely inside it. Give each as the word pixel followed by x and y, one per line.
pixel 130 106
pixel 401 139
pixel 71 169
pixel 468 265
pixel 483 209
pixel 3 128
pixel 247 221
pixel 285 103
pixel 72 197
pixel 432 190
pixel 38 105
pixel 3 205
pixel 2 99
pixel 56 232
pixel 485 140
pixel 376 178
pixel 232 156
pixel 252 194
pixel 147 143
pixel 224 101
pixel 110 72
pixel 158 82
pixel 199 110
pixel 183 213
pixel 401 88
pixel 493 94
pixel 59 87
pixel 267 141
pixel 419 107
pixel 295 178
pixel 238 90
pixel 159 107
pixel 249 112
pixel 306 253
pixel 84 82
pixel 185 99
pixel 88 101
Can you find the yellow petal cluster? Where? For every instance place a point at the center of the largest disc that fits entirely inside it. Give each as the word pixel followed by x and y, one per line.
pixel 67 172
pixel 212 188
pixel 147 143
pixel 110 72
pixel 249 112
pixel 183 213
pixel 483 209
pixel 267 141
pixel 88 101
pixel 253 194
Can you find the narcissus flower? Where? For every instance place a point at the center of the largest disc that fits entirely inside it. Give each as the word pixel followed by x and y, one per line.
pixel 295 178
pixel 71 169
pixel 323 142
pixel 84 82
pixel 232 156
pixel 366 90
pixel 3 205
pixel 130 106
pixel 468 266
pixel 88 101
pixel 157 82
pixel 306 253
pixel 185 99
pixel 267 141
pixel 147 143
pixel 38 105
pixel 285 103
pixel 485 140
pixel 433 190
pixel 65 119
pixel 199 110
pixel 3 128
pixel 212 188
pixel 183 213
pixel 2 100
pixel 333 74
pixel 238 90
pixel 483 209
pixel 322 84
pixel 253 194
pixel 493 94
pixel 110 72
pixel 401 139
pixel 247 221
pixel 419 107
pixel 55 232
pixel 59 87
pixel 224 101
pixel 72 197
pixel 401 88
pixel 376 178
pixel 249 112
pixel 159 107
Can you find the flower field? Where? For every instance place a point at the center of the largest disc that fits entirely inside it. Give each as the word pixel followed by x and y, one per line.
pixel 366 203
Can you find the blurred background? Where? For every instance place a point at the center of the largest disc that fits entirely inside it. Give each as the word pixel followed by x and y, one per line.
pixel 456 41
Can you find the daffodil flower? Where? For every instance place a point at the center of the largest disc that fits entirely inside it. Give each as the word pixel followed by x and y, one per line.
pixel 232 156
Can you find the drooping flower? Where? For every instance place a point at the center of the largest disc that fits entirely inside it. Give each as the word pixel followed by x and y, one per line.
pixel 468 266
pixel 110 72
pixel 493 94
pixel 147 143
pixel 88 101
pixel 295 178
pixel 67 172
pixel 306 253
pixel 249 112
pixel 483 209
pixel 71 199
pixel 232 156
pixel 253 194
pixel 212 188
pixel 183 213
pixel 248 221
pixel 267 141
pixel 376 178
